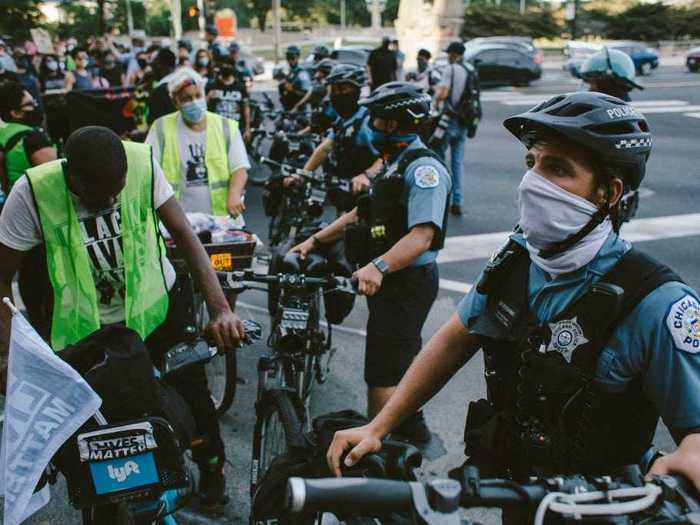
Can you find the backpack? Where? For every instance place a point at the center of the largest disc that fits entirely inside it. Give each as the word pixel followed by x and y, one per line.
pixel 468 111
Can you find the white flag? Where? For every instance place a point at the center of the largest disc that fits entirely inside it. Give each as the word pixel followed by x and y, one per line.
pixel 46 402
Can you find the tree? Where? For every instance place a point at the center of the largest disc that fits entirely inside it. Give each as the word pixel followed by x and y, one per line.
pixel 19 16
pixel 489 21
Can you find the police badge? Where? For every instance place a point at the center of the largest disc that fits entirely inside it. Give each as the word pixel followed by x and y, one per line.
pixel 567 336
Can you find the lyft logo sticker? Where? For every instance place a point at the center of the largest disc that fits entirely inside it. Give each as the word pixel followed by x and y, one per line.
pixel 120 474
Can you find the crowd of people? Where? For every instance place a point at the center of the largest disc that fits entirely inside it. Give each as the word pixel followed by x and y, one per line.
pixel 526 313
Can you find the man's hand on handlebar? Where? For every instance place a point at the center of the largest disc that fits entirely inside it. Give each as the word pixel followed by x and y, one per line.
pixel 235 205
pixel 359 441
pixel 226 330
pixel 304 248
pixel 360 183
pixel 369 279
pixel 684 460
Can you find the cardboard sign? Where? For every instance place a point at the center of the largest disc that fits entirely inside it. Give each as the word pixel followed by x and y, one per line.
pixel 226 22
pixel 42 40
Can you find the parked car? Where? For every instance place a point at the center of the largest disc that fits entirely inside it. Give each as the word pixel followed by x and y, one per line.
pixel 692 60
pixel 356 55
pixel 577 53
pixel 644 58
pixel 499 64
pixel 521 42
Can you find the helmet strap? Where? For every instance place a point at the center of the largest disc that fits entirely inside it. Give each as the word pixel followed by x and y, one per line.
pixel 561 246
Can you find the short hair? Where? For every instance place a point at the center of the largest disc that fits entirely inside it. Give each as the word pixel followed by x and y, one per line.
pixel 11 95
pixel 96 156
pixel 165 58
pixel 424 53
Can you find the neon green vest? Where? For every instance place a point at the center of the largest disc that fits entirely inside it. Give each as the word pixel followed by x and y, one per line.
pixel 16 160
pixel 215 156
pixel 75 311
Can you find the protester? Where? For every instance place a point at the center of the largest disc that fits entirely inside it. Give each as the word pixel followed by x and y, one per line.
pixel 112 70
pixel 80 78
pixel 7 63
pixel 139 74
pixel 27 78
pixel 228 96
pixel 400 58
pixel 160 103
pixel 51 76
pixel 426 76
pixel 202 64
pixel 382 65
pixel 184 53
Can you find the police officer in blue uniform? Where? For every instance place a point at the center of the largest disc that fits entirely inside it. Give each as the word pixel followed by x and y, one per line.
pixel 586 340
pixel 610 71
pixel 296 84
pixel 394 235
pixel 347 151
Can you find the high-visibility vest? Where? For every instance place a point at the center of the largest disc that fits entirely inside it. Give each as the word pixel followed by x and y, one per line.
pixel 75 311
pixel 218 141
pixel 12 143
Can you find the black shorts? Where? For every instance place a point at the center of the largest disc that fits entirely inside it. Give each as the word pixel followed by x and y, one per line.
pixel 396 317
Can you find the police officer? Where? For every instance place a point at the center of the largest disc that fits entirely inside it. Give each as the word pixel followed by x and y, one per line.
pixel 296 84
pixel 394 235
pixel 610 71
pixel 321 52
pixel 317 96
pixel 347 152
pixel 586 340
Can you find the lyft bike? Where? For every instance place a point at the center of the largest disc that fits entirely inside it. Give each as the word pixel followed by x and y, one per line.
pixel 133 472
pixel 299 356
pixel 222 369
pixel 622 498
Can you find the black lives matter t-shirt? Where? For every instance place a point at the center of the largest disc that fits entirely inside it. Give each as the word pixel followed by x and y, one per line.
pixel 227 99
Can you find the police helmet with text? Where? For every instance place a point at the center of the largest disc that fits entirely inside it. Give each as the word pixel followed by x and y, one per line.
pixel 403 102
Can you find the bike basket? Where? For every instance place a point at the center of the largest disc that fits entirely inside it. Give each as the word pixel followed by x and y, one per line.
pixel 225 256
pixel 133 461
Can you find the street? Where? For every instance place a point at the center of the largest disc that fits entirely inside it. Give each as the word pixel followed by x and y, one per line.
pixel 667 227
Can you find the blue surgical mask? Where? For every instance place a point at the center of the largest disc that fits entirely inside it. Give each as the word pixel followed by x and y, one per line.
pixel 388 144
pixel 203 61
pixel 193 112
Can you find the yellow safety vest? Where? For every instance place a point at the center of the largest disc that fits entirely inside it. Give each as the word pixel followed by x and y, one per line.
pixel 75 310
pixel 218 142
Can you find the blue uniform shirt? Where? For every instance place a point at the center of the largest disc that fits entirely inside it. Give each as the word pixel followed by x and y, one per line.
pixel 426 186
pixel 302 79
pixel 658 342
pixel 363 137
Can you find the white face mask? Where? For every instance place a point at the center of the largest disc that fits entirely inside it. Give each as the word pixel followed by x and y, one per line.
pixel 549 214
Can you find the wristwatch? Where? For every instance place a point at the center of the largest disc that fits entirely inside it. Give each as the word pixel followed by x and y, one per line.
pixel 381 265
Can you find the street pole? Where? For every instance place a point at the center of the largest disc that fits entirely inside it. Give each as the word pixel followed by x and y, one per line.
pixel 129 18
pixel 573 21
pixel 176 14
pixel 342 15
pixel 522 7
pixel 376 16
pixel 202 21
pixel 278 28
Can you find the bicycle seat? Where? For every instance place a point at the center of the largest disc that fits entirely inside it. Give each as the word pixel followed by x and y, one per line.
pixel 314 264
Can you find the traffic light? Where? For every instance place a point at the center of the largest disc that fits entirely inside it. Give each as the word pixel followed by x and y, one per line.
pixel 193 11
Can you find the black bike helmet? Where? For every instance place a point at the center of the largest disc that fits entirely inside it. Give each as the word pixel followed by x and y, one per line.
pixel 614 131
pixel 321 52
pixel 325 66
pixel 400 101
pixel 293 51
pixel 184 44
pixel 347 74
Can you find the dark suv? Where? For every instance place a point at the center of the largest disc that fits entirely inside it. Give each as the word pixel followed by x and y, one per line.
pixel 503 65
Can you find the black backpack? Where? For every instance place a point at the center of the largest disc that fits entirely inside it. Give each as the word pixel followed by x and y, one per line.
pixel 468 111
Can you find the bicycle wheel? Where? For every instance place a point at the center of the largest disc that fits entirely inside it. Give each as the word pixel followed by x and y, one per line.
pixel 221 370
pixel 277 426
pixel 259 173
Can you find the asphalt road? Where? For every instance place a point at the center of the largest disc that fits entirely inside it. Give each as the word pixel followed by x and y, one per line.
pixel 494 164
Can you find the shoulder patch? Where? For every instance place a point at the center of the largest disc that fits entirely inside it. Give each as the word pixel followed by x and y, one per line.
pixel 683 322
pixel 426 177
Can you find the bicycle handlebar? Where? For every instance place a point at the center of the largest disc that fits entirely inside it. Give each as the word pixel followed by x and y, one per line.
pixel 667 498
pixel 235 280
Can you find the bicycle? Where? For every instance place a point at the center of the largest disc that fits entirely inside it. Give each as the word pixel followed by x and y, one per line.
pixel 133 471
pixel 294 363
pixel 221 370
pixel 622 498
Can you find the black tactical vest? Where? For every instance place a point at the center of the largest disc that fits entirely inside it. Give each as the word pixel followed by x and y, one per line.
pixel 348 158
pixel 383 213
pixel 545 413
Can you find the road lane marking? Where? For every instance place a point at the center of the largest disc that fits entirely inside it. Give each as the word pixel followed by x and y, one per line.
pixel 481 246
pixel 694 115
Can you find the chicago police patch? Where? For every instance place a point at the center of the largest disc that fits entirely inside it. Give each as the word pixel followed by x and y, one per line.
pixel 427 177
pixel 683 322
pixel 567 335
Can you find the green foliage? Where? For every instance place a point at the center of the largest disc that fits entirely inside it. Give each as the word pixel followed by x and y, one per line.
pixel 488 20
pixel 19 16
